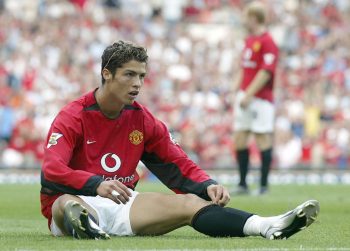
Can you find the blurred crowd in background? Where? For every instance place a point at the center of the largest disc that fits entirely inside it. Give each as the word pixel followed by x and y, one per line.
pixel 50 53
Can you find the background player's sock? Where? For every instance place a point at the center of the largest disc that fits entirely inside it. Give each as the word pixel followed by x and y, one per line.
pixel 217 221
pixel 243 162
pixel 266 158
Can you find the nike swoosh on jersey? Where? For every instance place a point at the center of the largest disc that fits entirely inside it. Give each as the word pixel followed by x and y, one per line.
pixel 90 142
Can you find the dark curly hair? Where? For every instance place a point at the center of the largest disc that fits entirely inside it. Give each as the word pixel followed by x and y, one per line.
pixel 119 53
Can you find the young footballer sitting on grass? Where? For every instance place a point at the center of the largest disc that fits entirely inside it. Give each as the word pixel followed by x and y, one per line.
pixel 89 170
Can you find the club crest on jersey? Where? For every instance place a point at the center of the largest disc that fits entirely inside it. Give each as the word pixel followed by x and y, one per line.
pixel 136 137
pixel 256 46
pixel 53 139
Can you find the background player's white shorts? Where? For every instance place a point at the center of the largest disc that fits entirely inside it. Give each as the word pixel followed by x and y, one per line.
pixel 258 117
pixel 113 218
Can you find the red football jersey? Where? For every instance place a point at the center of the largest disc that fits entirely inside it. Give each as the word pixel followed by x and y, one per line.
pixel 85 148
pixel 260 53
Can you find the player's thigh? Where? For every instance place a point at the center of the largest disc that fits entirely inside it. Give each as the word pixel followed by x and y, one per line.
pixel 156 209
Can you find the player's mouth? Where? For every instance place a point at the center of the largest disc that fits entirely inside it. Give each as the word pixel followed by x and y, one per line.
pixel 133 94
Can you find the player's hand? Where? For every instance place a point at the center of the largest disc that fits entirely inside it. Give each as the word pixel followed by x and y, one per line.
pixel 245 102
pixel 114 190
pixel 218 194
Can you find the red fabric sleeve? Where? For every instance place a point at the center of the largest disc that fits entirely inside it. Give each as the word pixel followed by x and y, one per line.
pixel 269 54
pixel 166 159
pixel 64 134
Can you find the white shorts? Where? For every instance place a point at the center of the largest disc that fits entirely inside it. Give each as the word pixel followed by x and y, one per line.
pixel 258 117
pixel 113 218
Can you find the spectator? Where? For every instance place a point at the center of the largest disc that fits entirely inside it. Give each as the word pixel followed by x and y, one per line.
pixel 43 44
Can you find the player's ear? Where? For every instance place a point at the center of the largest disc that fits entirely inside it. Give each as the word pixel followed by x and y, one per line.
pixel 107 75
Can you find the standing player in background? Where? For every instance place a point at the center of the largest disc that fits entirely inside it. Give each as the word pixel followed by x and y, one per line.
pixel 254 109
pixel 89 169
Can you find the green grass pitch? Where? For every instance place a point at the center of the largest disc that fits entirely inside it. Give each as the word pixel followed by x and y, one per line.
pixel 23 228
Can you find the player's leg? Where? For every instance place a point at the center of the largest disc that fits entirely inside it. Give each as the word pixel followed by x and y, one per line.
pixel 242 155
pixel 264 142
pixel 262 127
pixel 154 214
pixel 74 217
pixel 157 213
pixel 242 126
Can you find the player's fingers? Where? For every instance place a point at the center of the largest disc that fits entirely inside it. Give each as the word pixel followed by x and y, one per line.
pixel 120 194
pixel 123 187
pixel 117 197
pixel 244 103
pixel 120 197
pixel 211 190
pixel 225 199
pixel 212 193
pixel 114 196
pixel 218 194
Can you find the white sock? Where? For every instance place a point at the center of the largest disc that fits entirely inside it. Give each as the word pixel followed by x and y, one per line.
pixel 257 225
pixel 253 225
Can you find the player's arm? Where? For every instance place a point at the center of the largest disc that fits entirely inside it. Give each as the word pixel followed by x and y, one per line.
pixel 267 68
pixel 261 78
pixel 165 159
pixel 57 176
pixel 237 80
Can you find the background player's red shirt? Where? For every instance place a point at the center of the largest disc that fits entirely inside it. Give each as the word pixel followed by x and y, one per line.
pixel 84 148
pixel 260 52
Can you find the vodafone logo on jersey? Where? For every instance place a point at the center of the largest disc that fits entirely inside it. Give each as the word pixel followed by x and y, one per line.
pixel 110 162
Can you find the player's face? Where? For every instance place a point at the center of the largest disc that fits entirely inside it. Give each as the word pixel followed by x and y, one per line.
pixel 249 22
pixel 127 82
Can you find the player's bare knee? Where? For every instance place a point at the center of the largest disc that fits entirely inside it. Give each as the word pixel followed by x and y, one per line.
pixel 62 200
pixel 192 203
pixel 241 140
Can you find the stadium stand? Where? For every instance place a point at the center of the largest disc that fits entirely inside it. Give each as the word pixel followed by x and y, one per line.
pixel 49 54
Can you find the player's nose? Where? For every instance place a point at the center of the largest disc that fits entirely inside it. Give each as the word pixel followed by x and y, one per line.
pixel 137 83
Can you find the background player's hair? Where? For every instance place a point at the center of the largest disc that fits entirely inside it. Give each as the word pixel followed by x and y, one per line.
pixel 119 53
pixel 257 9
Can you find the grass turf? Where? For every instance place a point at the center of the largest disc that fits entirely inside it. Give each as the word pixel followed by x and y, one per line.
pixel 23 228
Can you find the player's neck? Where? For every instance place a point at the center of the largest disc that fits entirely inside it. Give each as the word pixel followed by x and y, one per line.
pixel 259 30
pixel 109 109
